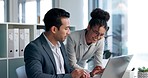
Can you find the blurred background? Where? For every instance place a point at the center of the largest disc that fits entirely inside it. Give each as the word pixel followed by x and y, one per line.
pixel 128 22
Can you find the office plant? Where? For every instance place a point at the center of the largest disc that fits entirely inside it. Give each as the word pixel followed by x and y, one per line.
pixel 142 72
pixel 142 69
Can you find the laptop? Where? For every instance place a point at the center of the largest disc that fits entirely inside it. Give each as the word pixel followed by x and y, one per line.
pixel 115 67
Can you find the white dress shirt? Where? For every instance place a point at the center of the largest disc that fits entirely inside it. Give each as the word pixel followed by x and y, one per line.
pixel 58 56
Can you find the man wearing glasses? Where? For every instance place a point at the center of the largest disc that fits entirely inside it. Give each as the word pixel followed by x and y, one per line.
pixel 89 42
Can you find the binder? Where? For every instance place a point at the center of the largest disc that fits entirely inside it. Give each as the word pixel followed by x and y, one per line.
pixel 27 36
pixel 24 39
pixel 16 42
pixel 21 41
pixel 13 42
pixel 10 43
pixel 39 32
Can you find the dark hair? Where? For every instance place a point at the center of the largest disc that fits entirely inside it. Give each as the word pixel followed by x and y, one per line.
pixel 53 18
pixel 99 17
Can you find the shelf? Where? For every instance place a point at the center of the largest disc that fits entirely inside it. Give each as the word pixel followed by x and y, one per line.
pixel 3 40
pixel 3 68
pixel 3 58
pixel 9 64
pixel 13 64
pixel 16 57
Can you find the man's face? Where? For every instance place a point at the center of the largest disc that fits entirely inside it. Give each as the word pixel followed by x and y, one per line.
pixel 64 30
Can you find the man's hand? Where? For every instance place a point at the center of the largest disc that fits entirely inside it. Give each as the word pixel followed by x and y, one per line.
pixel 80 73
pixel 85 75
pixel 96 70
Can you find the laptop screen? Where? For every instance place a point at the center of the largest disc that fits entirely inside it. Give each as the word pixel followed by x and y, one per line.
pixel 116 66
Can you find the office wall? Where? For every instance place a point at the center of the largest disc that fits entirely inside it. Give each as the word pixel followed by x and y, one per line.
pixel 11 12
pixel 78 10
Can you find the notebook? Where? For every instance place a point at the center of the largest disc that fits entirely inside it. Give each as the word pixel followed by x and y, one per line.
pixel 115 67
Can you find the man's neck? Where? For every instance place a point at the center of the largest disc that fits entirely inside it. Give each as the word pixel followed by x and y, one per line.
pixel 51 38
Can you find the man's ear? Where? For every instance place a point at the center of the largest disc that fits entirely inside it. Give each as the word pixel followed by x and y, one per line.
pixel 54 29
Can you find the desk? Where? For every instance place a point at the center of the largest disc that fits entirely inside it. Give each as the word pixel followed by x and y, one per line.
pixel 127 74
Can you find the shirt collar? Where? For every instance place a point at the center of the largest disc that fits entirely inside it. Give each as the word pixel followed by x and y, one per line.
pixel 50 44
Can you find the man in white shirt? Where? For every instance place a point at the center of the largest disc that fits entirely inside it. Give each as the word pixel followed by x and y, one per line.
pixel 46 56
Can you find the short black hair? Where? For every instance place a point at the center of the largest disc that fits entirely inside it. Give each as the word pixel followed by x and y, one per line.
pixel 53 18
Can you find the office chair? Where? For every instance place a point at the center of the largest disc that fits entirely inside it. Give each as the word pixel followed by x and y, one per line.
pixel 21 73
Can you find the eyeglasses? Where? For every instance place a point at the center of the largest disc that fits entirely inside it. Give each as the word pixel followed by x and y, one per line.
pixel 97 32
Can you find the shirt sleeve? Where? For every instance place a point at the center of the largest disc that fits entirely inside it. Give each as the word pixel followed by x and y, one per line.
pixel 71 46
pixel 98 56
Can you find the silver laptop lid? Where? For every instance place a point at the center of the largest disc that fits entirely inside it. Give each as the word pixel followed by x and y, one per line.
pixel 116 66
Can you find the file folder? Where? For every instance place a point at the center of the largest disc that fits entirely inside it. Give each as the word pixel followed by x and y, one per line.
pixel 39 32
pixel 21 42
pixel 10 43
pixel 13 42
pixel 27 36
pixel 16 42
pixel 24 37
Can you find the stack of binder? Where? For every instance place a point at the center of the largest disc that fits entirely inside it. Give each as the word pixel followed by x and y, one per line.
pixel 17 40
pixel 24 38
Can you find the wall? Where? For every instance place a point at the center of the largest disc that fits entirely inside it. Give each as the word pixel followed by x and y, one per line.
pixel 79 15
pixel 11 12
